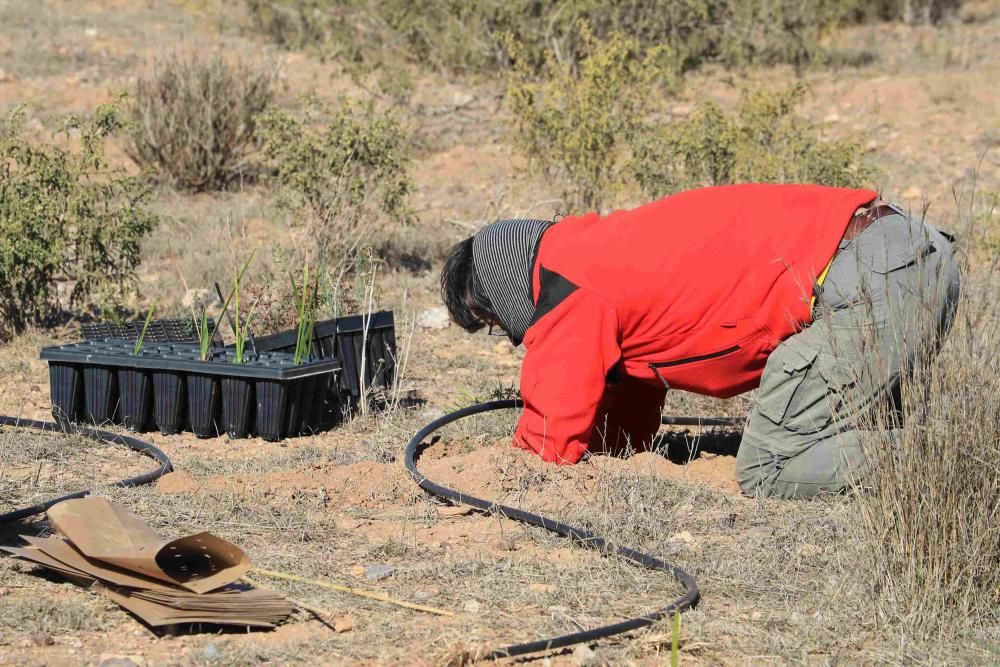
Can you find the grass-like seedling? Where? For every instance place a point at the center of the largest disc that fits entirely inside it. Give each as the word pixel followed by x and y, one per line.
pixel 206 334
pixel 306 306
pixel 142 334
pixel 241 326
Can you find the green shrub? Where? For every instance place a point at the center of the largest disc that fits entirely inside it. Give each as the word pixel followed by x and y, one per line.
pixel 761 141
pixel 291 24
pixel 65 218
pixel 907 11
pixel 193 118
pixel 346 172
pixel 442 34
pixel 770 32
pixel 576 123
pixel 461 36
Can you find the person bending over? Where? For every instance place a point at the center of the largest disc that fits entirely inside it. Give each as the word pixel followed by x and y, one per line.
pixel 819 297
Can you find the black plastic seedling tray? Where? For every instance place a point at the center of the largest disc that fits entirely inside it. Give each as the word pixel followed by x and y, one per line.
pixel 102 381
pixel 159 331
pixel 344 339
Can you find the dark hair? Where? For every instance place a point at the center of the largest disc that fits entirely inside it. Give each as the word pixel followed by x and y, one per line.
pixel 460 288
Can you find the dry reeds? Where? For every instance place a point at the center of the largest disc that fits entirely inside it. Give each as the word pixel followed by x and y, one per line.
pixel 928 518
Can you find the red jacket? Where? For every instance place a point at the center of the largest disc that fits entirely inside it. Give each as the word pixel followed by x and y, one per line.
pixel 694 290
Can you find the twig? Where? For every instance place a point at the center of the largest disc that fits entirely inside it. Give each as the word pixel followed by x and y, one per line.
pixel 353 591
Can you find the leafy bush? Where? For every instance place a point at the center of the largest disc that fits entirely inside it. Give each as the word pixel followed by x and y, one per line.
pixel 577 123
pixel 761 141
pixel 590 126
pixel 908 11
pixel 461 36
pixel 194 118
pixel 345 172
pixel 471 36
pixel 443 34
pixel 65 218
pixel 292 24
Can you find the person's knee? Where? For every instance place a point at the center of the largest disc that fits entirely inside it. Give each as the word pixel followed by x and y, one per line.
pixel 748 480
pixel 754 466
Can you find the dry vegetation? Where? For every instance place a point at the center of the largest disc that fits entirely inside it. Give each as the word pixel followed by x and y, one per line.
pixel 394 129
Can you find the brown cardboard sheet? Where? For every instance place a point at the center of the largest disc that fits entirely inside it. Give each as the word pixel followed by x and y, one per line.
pixel 193 579
pixel 105 531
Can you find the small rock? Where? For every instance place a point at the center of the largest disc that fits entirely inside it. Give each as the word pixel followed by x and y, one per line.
pixel 471 606
pixel 541 588
pixel 4 591
pixel 90 32
pixel 912 192
pixel 871 145
pixel 584 656
pixel 357 570
pixel 42 639
pixel 832 118
pixel 376 572
pixel 210 651
pixel 5 76
pixel 343 624
pixel 434 318
pixel 461 98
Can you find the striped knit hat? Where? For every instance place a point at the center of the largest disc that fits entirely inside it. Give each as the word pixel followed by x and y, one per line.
pixel 503 254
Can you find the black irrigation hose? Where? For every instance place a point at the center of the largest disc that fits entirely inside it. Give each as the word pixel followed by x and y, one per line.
pixel 136 445
pixel 583 537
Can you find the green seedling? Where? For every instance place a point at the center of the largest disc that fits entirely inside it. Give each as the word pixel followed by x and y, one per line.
pixel 241 326
pixel 142 335
pixel 306 307
pixel 206 335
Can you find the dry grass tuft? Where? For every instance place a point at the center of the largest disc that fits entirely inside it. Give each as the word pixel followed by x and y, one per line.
pixel 930 517
pixel 54 615
pixel 194 118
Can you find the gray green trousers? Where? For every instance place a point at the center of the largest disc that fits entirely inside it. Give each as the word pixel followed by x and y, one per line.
pixel 890 295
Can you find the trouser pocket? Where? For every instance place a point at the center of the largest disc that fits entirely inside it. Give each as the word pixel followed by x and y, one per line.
pixel 793 392
pixel 805 386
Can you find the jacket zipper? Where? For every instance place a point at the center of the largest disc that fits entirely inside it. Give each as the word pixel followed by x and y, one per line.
pixel 688 360
pixel 700 357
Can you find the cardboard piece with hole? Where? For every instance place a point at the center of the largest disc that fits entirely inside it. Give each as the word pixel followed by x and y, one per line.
pixel 107 532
